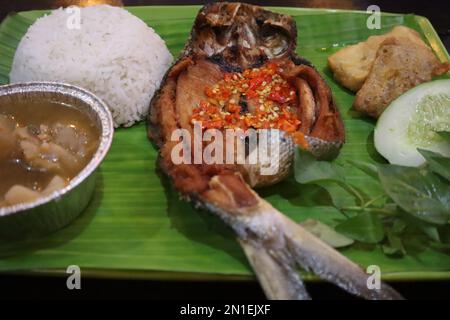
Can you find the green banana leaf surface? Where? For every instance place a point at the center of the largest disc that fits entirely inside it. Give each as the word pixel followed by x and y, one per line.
pixel 137 227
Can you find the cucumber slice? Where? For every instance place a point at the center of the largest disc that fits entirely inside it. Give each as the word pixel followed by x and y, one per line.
pixel 411 121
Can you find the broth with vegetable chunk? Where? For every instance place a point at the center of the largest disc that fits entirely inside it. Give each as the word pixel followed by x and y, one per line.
pixel 42 147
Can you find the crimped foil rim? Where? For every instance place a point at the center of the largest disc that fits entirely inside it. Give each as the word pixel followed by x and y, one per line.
pixel 107 131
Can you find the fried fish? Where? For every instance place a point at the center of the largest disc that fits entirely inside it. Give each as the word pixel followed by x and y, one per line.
pixel 253 49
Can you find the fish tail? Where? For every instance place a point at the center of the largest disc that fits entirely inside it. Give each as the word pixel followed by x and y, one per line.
pixel 278 281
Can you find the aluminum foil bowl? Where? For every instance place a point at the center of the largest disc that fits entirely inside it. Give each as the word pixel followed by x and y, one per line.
pixel 55 211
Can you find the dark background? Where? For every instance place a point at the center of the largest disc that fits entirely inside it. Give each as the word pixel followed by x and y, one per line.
pixel 42 287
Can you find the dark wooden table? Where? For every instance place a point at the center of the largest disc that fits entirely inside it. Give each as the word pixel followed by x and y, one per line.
pixel 17 287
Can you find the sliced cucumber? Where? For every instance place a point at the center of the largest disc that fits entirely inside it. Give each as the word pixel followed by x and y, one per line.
pixel 411 121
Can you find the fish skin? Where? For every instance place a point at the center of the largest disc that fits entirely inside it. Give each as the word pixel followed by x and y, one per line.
pixel 316 143
pixel 284 157
pixel 270 240
pixel 289 245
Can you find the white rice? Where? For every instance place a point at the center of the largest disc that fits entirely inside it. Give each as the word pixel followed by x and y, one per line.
pixel 113 54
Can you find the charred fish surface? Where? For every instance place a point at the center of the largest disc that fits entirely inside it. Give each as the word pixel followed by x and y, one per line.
pixel 241 36
pixel 239 70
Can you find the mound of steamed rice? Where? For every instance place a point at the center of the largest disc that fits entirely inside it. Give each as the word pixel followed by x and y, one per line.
pixel 113 54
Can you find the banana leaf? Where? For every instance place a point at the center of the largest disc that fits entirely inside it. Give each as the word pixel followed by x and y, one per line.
pixel 136 226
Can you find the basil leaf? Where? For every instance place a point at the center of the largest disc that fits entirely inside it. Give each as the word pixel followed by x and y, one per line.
pixel 394 246
pixel 368 168
pixel 398 226
pixel 340 196
pixel 328 175
pixel 371 171
pixel 430 231
pixel 417 191
pixel 427 229
pixel 326 233
pixel 445 135
pixel 444 234
pixel 437 163
pixel 309 170
pixel 389 250
pixel 365 227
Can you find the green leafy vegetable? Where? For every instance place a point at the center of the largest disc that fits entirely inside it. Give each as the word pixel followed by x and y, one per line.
pixel 445 135
pixel 417 191
pixel 311 170
pixel 407 207
pixel 326 233
pixel 368 168
pixel 398 226
pixel 437 163
pixel 394 244
pixel 428 229
pixel 431 232
pixel 365 227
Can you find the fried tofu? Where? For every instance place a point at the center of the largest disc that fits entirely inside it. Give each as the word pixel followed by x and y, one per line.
pixel 351 65
pixel 399 65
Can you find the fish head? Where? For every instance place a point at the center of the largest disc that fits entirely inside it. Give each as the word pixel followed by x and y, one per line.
pixel 240 36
